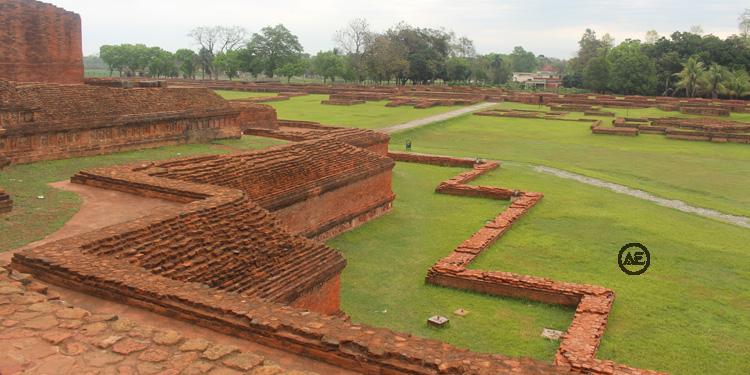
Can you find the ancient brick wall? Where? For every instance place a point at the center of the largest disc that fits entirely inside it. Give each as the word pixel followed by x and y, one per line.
pixel 40 43
pixel 51 121
pixel 324 299
pixel 255 115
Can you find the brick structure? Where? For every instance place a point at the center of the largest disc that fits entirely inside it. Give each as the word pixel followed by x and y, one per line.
pixel 306 130
pixel 6 204
pixel 689 129
pixel 580 343
pixel 224 262
pixel 254 115
pixel 40 43
pixel 705 111
pixel 51 121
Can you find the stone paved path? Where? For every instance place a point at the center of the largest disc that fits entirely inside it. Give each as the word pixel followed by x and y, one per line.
pixel 42 334
pixel 436 118
pixel 740 221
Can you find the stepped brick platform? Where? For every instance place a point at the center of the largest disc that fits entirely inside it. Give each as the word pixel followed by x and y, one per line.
pixel 580 343
pixel 6 204
pixel 690 129
pixel 705 111
pixel 599 113
pixel 306 130
pixel 41 43
pixel 42 334
pixel 51 121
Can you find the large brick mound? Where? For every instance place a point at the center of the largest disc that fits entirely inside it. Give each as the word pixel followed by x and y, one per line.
pixel 39 43
pixel 43 121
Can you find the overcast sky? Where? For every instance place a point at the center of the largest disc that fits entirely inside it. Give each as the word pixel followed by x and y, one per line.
pixel 548 27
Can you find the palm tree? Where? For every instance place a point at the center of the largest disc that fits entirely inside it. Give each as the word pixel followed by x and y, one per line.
pixel 716 75
pixel 691 77
pixel 738 84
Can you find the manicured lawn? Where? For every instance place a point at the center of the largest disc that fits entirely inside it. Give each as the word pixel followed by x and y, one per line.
pixel 709 175
pixel 688 314
pixel 33 218
pixel 371 115
pixel 230 94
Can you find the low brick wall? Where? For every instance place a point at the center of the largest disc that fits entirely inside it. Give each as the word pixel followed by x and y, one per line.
pixel 253 115
pixel 6 204
pixel 580 343
pixel 705 111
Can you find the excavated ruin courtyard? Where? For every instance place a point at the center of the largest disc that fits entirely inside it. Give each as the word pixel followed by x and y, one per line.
pixel 571 235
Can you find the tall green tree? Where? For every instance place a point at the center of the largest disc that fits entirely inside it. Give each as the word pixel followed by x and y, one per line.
pixel 293 69
pixel 229 63
pixel 596 73
pixel 187 62
pixel 738 84
pixel 691 77
pixel 522 60
pixel 631 71
pixel 275 46
pixel 328 65
pixel 715 77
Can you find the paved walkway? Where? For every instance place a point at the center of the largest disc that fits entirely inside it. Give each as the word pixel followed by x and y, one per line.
pixel 739 221
pixel 436 118
pixel 40 333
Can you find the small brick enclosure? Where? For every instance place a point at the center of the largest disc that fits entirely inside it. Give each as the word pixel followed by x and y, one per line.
pixel 42 121
pixel 40 43
pixel 6 204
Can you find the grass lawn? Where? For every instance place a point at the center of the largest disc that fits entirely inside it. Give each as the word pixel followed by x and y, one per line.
pixel 705 174
pixel 690 313
pixel 231 94
pixel 33 219
pixel 371 115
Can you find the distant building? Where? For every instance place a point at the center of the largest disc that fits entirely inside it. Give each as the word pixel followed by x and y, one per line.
pixel 547 78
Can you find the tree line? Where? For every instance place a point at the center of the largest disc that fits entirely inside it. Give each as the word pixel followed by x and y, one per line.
pixel 684 63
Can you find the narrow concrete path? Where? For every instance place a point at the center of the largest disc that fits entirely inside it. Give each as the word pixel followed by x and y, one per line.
pixel 436 118
pixel 740 221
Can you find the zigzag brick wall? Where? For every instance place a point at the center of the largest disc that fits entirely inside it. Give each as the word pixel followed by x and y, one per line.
pixel 39 42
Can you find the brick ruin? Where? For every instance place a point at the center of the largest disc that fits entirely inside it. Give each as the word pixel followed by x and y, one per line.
pixel 691 129
pixel 580 343
pixel 40 43
pixel 6 204
pixel 225 262
pixel 42 121
pixel 425 96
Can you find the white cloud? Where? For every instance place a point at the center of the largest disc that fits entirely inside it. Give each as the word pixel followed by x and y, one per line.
pixel 550 27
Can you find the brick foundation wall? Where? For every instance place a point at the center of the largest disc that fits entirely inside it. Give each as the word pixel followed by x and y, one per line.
pixel 52 121
pixel 324 299
pixel 328 211
pixel 255 115
pixel 40 43
pixel 26 148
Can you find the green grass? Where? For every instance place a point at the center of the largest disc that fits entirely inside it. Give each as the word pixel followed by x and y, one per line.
pixel 232 95
pixel 33 218
pixel 371 115
pixel 709 175
pixel 383 283
pixel 688 314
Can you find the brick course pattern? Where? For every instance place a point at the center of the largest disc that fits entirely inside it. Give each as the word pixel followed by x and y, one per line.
pixel 579 345
pixel 51 121
pixel 255 115
pixel 690 129
pixel 158 262
pixel 6 204
pixel 413 94
pixel 40 43
pixel 41 334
